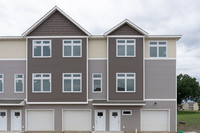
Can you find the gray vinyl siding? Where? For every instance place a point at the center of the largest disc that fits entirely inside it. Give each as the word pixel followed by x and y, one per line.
pixel 97 66
pixel 9 69
pixel 160 79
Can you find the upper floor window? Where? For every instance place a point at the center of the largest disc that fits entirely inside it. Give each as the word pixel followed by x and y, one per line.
pixel 19 83
pixel 72 48
pixel 126 48
pixel 41 82
pixel 41 48
pixel 96 83
pixel 1 83
pixel 125 82
pixel 158 49
pixel 72 82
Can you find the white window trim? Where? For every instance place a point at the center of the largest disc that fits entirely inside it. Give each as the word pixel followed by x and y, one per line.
pixel 96 79
pixel 157 46
pixel 71 44
pixel 72 91
pixel 2 83
pixel 126 82
pixel 41 45
pixel 131 112
pixel 15 83
pixel 41 78
pixel 125 44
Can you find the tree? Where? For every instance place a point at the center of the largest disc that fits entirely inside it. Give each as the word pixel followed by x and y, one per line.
pixel 187 89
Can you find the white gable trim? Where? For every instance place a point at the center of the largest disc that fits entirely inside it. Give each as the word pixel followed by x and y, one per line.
pixel 130 24
pixel 34 26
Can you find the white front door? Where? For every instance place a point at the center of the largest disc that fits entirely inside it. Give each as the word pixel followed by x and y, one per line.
pixel 16 120
pixel 3 120
pixel 115 120
pixel 100 120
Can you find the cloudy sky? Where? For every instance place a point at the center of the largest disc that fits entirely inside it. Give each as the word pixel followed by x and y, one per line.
pixel 97 16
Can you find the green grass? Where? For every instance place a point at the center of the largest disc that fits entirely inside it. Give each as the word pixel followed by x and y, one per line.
pixel 192 120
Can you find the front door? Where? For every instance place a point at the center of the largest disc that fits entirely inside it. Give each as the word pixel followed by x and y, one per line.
pixel 115 120
pixel 16 120
pixel 3 120
pixel 100 120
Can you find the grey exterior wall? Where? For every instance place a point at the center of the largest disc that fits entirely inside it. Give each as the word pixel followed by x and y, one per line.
pixel 160 79
pixel 125 30
pixel 9 68
pixel 97 66
pixel 56 65
pixel 57 25
pixel 127 65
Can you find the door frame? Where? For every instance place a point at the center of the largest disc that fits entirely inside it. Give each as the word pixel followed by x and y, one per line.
pixel 104 111
pixel 5 110
pixel 119 111
pixel 11 119
pixel 168 110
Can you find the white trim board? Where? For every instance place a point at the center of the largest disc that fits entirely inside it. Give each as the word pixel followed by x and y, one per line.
pixel 56 103
pixel 160 100
pixel 97 58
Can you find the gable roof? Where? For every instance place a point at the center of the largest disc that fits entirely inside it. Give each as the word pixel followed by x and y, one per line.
pixel 126 21
pixel 35 25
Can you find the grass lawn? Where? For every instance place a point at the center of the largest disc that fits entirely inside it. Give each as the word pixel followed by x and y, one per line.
pixel 192 119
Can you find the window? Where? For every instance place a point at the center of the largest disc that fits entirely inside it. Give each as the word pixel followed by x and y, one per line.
pixel 41 48
pixel 126 48
pixel 72 82
pixel 41 82
pixel 126 112
pixel 19 83
pixel 125 82
pixel 72 48
pixel 158 49
pixel 1 83
pixel 97 83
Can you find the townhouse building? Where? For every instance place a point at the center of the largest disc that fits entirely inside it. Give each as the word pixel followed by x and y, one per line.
pixel 57 77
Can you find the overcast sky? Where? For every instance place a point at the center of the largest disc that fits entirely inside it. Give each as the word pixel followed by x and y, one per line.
pixel 97 16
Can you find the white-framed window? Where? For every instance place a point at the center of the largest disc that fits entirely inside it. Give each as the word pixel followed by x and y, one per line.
pixel 96 82
pixel 72 82
pixel 126 112
pixel 125 82
pixel 41 48
pixel 19 83
pixel 158 49
pixel 126 48
pixel 1 83
pixel 72 48
pixel 41 82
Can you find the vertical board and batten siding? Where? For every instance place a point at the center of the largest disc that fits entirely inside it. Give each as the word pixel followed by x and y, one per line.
pixel 57 65
pixel 57 25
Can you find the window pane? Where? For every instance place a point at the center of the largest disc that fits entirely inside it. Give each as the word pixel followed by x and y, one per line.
pixel 1 85
pixel 121 50
pixel 37 42
pixel 76 85
pixel 46 85
pixel 153 51
pixel 121 85
pixel 67 75
pixel 130 50
pixel 1 76
pixel 37 50
pixel 67 85
pixel 19 86
pixel 76 50
pixel 97 85
pixel 120 75
pixel 76 41
pixel 130 41
pixel 46 42
pixel 46 50
pixel 46 75
pixel 37 75
pixel 76 75
pixel 130 84
pixel 162 51
pixel 130 75
pixel 67 51
pixel 37 85
pixel 67 41
pixel 19 76
pixel 121 41
pixel 97 75
pixel 162 43
pixel 153 43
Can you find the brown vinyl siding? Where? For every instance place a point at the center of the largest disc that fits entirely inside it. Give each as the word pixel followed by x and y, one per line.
pixel 125 65
pixel 56 65
pixel 125 30
pixel 57 25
